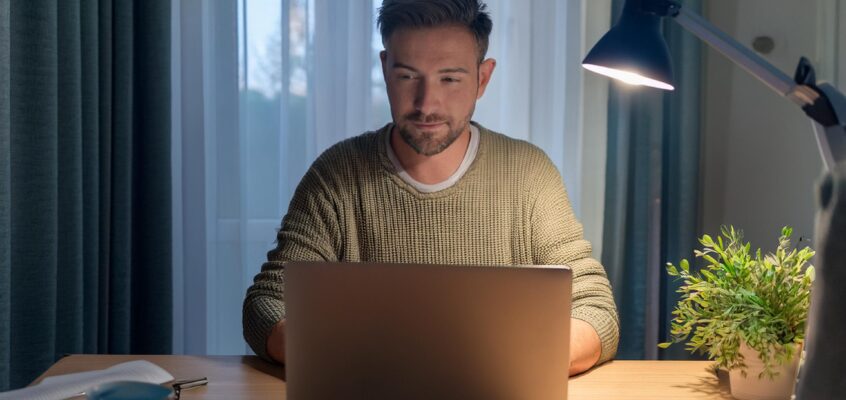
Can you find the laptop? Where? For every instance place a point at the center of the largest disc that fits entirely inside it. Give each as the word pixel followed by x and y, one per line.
pixel 414 331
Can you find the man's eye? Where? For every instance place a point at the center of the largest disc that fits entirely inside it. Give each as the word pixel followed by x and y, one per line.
pixel 405 77
pixel 449 79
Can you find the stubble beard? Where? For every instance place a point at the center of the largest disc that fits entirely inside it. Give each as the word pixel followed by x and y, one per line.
pixel 427 143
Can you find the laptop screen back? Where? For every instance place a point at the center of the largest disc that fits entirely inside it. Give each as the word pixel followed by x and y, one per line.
pixel 407 331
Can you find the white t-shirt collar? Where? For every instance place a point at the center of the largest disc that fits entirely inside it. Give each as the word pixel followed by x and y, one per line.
pixel 469 156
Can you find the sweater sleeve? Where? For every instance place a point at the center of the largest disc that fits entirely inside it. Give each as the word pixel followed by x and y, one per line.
pixel 309 232
pixel 557 239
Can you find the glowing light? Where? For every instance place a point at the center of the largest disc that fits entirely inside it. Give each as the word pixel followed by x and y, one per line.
pixel 632 78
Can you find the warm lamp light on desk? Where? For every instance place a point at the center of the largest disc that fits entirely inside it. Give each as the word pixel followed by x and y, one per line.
pixel 634 51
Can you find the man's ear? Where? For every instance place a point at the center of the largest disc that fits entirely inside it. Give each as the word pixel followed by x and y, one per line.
pixel 486 69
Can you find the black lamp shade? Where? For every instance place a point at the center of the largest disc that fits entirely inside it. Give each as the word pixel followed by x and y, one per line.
pixel 634 50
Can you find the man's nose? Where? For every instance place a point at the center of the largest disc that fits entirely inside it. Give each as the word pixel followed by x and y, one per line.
pixel 428 99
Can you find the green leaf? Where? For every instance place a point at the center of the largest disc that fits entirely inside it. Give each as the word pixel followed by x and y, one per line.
pixel 710 259
pixel 711 277
pixel 786 231
pixel 671 270
pixel 664 345
pixel 811 272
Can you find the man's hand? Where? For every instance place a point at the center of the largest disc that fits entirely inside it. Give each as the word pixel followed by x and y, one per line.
pixel 585 347
pixel 276 343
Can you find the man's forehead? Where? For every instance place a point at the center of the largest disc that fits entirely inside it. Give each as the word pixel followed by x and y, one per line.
pixel 436 47
pixel 446 35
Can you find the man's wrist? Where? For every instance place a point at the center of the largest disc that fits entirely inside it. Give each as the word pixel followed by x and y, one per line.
pixel 585 346
pixel 275 345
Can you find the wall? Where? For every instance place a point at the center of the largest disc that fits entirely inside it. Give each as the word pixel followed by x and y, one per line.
pixel 759 158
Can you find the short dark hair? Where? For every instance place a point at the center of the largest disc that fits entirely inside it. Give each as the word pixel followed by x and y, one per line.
pixel 472 14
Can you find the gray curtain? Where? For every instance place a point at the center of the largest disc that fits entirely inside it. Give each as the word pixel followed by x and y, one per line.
pixel 85 231
pixel 651 194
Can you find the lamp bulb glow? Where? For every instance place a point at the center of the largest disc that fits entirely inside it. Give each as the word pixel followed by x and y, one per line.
pixel 632 78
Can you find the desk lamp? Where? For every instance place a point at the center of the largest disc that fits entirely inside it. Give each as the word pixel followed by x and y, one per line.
pixel 634 51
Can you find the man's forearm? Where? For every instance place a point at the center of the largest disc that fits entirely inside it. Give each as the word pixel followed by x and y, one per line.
pixel 276 342
pixel 585 346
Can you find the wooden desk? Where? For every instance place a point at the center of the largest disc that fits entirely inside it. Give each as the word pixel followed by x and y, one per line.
pixel 248 377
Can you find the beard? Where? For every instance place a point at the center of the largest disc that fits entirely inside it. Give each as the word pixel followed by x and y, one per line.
pixel 430 142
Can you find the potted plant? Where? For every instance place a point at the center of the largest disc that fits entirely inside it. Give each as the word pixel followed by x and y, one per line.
pixel 746 311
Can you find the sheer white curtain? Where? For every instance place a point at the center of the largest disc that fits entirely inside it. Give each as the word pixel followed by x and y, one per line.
pixel 261 87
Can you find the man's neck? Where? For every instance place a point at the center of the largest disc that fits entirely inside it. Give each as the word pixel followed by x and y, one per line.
pixel 430 169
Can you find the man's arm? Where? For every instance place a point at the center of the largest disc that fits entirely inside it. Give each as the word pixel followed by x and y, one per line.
pixel 557 240
pixel 309 232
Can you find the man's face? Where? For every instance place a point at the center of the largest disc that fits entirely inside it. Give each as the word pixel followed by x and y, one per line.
pixel 433 79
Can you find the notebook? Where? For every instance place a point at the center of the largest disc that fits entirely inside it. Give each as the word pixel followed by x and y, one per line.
pixel 69 385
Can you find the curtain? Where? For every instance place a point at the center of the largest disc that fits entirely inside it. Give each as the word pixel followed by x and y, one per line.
pixel 5 198
pixel 537 89
pixel 264 86
pixel 85 216
pixel 651 195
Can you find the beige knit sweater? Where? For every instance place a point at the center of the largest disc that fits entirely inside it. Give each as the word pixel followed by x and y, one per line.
pixel 509 208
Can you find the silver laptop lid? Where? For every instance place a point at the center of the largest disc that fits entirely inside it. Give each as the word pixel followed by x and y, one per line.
pixel 407 331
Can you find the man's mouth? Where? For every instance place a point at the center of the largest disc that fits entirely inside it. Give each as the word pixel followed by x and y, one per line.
pixel 421 125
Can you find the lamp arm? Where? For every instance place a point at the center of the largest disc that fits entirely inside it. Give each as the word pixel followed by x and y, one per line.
pixel 823 103
pixel 736 52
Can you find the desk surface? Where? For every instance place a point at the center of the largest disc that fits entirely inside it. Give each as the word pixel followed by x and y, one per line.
pixel 248 377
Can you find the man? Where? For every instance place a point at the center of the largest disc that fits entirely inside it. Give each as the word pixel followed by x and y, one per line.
pixel 433 187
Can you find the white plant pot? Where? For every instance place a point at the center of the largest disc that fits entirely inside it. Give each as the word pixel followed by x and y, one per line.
pixel 752 388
